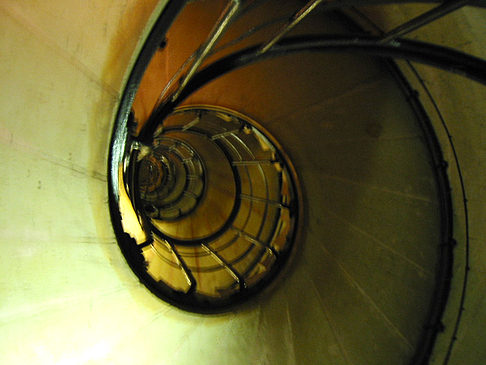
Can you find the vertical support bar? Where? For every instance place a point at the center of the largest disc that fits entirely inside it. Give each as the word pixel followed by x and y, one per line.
pixel 255 241
pixel 293 21
pixel 216 33
pixel 238 278
pixel 424 19
pixel 185 269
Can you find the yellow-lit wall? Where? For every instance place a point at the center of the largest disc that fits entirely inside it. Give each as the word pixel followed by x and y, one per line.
pixel 66 294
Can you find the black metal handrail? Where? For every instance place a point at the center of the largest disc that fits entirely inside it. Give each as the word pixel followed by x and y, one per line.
pixel 387 46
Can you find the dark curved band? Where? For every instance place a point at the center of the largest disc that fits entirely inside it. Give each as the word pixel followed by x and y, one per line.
pixel 441 57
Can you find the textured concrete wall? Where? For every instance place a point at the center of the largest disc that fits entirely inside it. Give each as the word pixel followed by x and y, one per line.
pixel 63 65
pixel 462 104
pixel 66 293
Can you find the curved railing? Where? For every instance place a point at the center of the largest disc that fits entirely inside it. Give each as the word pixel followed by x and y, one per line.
pixel 138 146
pixel 218 204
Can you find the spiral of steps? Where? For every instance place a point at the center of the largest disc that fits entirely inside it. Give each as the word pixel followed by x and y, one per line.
pixel 220 205
pixel 289 207
pixel 219 230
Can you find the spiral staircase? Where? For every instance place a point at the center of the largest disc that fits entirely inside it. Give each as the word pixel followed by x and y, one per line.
pixel 288 182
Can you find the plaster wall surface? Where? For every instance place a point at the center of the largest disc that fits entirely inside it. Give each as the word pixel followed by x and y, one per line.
pixel 66 293
pixel 462 105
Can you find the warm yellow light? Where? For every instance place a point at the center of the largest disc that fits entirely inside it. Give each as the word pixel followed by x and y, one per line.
pixel 130 221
